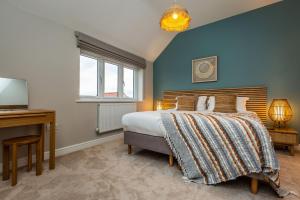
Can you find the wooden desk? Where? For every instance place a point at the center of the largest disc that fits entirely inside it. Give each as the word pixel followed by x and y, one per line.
pixel 14 118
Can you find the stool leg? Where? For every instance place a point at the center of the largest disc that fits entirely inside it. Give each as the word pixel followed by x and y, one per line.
pixel 43 140
pixel 14 164
pixel 29 160
pixel 38 158
pixel 5 165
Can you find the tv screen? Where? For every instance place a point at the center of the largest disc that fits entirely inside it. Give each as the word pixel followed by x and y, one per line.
pixel 13 93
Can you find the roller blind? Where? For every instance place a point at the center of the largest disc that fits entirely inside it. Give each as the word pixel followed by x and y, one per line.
pixel 91 44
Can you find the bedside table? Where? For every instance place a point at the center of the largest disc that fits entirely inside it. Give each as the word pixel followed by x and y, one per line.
pixel 284 136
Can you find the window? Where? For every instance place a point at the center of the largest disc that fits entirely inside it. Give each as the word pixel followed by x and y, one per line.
pixel 88 76
pixel 110 80
pixel 128 83
pixel 105 79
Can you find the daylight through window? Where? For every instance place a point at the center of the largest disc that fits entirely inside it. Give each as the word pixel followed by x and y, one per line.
pixel 101 78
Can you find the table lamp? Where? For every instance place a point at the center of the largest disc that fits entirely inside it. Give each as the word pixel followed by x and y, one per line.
pixel 280 112
pixel 159 105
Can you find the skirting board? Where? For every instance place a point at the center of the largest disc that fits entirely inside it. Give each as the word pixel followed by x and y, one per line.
pixel 70 149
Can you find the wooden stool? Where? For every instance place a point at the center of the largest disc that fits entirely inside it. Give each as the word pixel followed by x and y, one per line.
pixel 15 143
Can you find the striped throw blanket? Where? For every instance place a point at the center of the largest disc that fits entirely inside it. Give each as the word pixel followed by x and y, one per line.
pixel 217 147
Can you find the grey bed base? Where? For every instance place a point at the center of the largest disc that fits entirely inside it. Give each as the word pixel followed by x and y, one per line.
pixel 160 145
pixel 149 142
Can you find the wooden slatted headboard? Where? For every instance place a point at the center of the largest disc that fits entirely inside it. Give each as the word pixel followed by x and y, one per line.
pixel 257 95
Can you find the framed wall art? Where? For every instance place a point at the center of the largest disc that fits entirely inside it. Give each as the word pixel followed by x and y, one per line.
pixel 205 69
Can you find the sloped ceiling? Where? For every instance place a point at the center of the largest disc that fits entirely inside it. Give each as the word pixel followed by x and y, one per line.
pixel 132 25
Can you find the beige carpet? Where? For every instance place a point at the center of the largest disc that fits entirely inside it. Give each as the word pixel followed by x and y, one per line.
pixel 107 172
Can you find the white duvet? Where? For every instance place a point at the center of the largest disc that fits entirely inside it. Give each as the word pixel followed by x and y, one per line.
pixel 148 122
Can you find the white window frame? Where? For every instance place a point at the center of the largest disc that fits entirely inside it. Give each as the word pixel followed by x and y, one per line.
pixel 101 81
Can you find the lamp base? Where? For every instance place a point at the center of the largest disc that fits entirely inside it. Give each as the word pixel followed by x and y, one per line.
pixel 278 124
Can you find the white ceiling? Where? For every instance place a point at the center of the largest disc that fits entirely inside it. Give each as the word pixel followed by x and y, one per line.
pixel 133 25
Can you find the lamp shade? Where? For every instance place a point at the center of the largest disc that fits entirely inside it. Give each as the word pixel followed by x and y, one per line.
pixel 280 111
pixel 175 19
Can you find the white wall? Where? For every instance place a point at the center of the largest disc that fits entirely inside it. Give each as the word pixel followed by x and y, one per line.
pixel 45 54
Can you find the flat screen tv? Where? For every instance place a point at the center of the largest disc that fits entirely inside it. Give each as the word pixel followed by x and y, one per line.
pixel 13 93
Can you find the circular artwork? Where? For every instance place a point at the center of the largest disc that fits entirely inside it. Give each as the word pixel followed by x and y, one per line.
pixel 204 70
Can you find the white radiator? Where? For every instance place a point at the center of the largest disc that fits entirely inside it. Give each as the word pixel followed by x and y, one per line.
pixel 109 115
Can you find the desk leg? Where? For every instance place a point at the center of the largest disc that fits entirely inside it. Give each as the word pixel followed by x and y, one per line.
pixel 52 146
pixel 39 167
pixel 42 141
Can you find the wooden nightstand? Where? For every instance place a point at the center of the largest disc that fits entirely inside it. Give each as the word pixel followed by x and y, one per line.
pixel 285 137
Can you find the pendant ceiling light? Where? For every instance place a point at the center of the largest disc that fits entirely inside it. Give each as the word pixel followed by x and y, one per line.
pixel 175 19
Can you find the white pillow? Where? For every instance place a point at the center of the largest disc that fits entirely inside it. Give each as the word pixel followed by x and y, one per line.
pixel 201 103
pixel 241 104
pixel 211 103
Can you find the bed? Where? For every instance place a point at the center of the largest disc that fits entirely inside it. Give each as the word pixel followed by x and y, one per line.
pixel 145 129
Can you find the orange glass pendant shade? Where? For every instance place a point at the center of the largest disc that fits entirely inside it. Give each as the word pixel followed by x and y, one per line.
pixel 175 19
pixel 280 112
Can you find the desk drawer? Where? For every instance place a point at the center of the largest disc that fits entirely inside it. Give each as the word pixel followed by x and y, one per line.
pixel 281 138
pixel 26 120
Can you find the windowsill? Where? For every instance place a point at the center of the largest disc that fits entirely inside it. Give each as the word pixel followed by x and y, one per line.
pixel 102 100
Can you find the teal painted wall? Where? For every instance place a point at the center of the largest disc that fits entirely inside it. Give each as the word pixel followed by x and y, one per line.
pixel 261 47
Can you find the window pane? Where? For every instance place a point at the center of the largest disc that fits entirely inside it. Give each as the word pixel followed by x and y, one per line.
pixel 128 83
pixel 111 80
pixel 88 76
